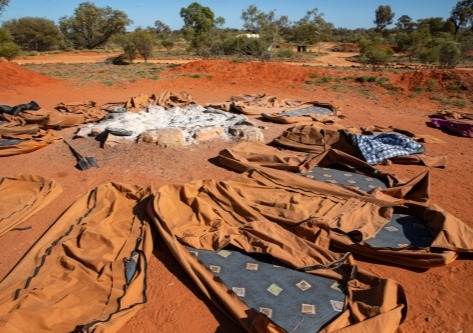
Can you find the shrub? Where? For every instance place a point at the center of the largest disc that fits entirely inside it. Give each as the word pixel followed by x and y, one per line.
pixel 449 54
pixel 5 36
pixel 376 55
pixel 429 56
pixel 130 52
pixel 168 44
pixel 362 79
pixel 285 53
pixel 9 50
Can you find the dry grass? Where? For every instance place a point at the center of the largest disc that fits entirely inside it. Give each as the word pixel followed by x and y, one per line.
pixel 101 73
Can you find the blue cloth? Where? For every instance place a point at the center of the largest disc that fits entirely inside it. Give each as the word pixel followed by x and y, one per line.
pixel 376 149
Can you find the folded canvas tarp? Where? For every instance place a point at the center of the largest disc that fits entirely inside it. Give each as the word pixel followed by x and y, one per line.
pixel 265 277
pixel 166 99
pixel 14 144
pixel 89 110
pixel 22 196
pixel 279 110
pixel 87 273
pixel 318 137
pixel 250 104
pixel 306 112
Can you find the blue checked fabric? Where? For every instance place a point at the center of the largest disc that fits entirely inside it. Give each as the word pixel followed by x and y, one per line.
pixel 379 148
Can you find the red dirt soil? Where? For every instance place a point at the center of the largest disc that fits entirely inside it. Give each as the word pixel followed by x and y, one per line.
pixel 440 299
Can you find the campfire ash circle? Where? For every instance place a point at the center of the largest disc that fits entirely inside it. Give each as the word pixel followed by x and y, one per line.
pixel 179 126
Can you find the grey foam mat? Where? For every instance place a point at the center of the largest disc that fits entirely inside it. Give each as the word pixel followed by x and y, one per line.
pixel 344 178
pixel 10 142
pixel 402 231
pixel 294 300
pixel 319 110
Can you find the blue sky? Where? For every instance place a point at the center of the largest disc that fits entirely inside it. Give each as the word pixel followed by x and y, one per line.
pixel 349 14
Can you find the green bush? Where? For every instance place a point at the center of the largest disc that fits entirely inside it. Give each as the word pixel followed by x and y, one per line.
pixel 168 44
pixel 449 54
pixel 5 36
pixel 285 53
pixel 130 52
pixel 244 46
pixel 376 55
pixel 9 50
pixel 429 56
pixel 363 79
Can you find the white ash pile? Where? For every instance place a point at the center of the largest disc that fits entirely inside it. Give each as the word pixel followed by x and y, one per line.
pixel 173 127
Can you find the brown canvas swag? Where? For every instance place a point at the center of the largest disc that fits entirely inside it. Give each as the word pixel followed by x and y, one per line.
pixel 243 215
pixel 88 272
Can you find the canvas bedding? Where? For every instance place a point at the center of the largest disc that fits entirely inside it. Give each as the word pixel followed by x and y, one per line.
pixel 276 212
pixel 23 195
pixel 100 247
pixel 317 138
pixel 403 244
pixel 87 273
pixel 104 240
pixel 216 232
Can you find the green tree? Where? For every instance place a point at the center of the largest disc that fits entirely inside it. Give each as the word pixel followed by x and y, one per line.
pixel 250 17
pixel 164 34
pixel 163 31
pixel 200 28
pixel 435 25
pixel 383 17
pixel 466 42
pixel 3 5
pixel 8 48
pixel 462 15
pixel 311 29
pixel 129 50
pixel 405 23
pixel 198 18
pixel 5 36
pixel 34 33
pixel 420 40
pixel 91 26
pixel 272 28
pixel 429 56
pixel 268 26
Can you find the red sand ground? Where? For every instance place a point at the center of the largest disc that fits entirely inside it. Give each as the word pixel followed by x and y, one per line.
pixel 440 299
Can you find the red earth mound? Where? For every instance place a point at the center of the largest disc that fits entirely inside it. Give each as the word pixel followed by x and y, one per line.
pixel 12 74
